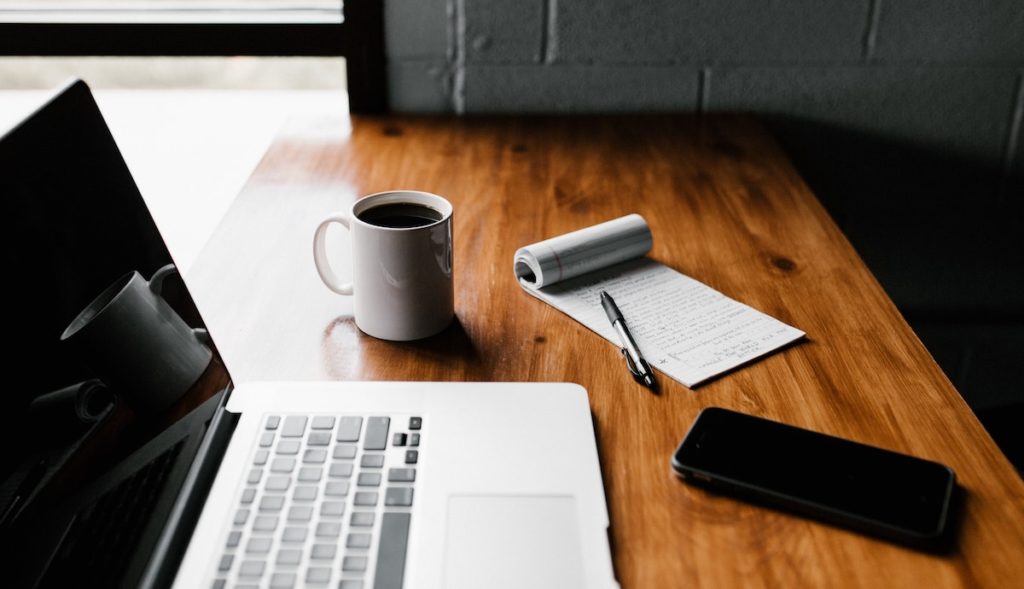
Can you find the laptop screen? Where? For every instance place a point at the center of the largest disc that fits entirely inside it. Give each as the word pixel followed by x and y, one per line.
pixel 93 304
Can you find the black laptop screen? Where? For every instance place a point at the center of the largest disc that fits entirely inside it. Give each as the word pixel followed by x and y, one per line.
pixel 93 304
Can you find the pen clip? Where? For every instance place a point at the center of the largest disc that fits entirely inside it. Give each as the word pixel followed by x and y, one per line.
pixel 630 364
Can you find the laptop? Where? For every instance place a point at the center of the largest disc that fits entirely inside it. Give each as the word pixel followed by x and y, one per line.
pixel 373 485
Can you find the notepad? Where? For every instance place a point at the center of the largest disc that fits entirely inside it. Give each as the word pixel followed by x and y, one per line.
pixel 685 329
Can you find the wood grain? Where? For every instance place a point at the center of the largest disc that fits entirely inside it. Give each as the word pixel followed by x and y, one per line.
pixel 726 208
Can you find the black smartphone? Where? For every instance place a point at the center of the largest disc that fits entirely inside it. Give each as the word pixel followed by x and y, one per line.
pixel 858 486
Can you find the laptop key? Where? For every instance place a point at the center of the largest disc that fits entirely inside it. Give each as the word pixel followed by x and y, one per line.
pixel 322 422
pixel 372 461
pixel 323 551
pixel 415 422
pixel 336 489
pixel 314 456
pixel 344 451
pixel 222 583
pixel 348 429
pixel 412 456
pixel 394 540
pixel 328 530
pixel 233 539
pixel 282 465
pixel 273 421
pixel 398 497
pixel 341 470
pixel 258 545
pixel 398 439
pixel 288 447
pixel 376 433
pixel 252 568
pixel 310 474
pixel 318 575
pixel 282 580
pixel 254 476
pixel 414 440
pixel 365 498
pixel 271 503
pixel 261 457
pixel 332 509
pixel 266 439
pixel 300 513
pixel 362 519
pixel 278 483
pixel 248 495
pixel 368 479
pixel 319 439
pixel 358 541
pixel 353 563
pixel 304 493
pixel 264 523
pixel 241 516
pixel 225 563
pixel 401 475
pixel 294 534
pixel 350 584
pixel 294 426
pixel 287 556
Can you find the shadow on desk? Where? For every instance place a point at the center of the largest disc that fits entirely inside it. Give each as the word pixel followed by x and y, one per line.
pixel 345 347
pixel 944 235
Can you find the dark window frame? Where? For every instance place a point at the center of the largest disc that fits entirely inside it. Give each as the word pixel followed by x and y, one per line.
pixel 359 38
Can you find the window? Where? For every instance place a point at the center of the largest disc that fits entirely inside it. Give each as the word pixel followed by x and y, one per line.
pixel 286 28
pixel 171 11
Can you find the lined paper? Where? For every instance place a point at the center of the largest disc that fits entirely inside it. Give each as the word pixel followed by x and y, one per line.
pixel 684 328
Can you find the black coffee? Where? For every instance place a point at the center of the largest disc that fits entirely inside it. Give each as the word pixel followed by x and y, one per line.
pixel 400 216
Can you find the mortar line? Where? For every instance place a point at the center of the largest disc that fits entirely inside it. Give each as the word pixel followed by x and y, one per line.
pixel 1013 134
pixel 459 62
pixel 703 89
pixel 871 30
pixel 549 33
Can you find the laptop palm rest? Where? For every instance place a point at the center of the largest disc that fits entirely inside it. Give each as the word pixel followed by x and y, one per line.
pixel 513 541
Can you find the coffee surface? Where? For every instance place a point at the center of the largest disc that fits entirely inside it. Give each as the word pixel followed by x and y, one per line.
pixel 400 216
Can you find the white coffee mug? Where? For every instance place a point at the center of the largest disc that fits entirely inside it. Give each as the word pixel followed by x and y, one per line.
pixel 401 275
pixel 137 344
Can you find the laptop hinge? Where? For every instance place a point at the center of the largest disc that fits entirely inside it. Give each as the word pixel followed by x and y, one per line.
pixel 177 532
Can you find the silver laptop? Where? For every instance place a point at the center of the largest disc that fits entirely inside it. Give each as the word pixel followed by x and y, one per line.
pixel 323 484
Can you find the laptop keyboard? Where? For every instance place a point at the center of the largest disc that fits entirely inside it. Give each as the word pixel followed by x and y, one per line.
pixel 110 528
pixel 327 501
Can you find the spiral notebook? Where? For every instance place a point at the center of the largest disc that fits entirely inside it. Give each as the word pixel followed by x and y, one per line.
pixel 685 329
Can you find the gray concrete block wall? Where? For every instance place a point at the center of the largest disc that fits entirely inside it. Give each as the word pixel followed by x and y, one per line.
pixel 504 31
pixel 965 110
pixel 951 31
pixel 579 88
pixel 936 73
pixel 419 45
pixel 699 31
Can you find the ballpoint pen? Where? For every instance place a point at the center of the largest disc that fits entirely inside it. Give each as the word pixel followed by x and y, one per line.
pixel 638 367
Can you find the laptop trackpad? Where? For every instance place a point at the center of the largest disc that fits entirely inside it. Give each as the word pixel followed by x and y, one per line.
pixel 513 541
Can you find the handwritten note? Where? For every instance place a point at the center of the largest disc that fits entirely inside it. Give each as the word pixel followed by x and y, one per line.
pixel 684 328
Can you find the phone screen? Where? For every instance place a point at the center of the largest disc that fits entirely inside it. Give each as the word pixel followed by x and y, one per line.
pixel 819 473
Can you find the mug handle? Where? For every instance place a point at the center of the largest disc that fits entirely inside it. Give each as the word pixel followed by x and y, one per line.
pixel 323 265
pixel 156 282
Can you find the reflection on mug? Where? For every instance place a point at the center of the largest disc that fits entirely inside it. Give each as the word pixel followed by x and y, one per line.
pixel 137 344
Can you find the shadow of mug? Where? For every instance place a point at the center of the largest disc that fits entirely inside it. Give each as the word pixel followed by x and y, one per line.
pixel 137 344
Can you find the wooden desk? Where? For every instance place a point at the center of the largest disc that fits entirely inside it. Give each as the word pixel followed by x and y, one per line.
pixel 725 207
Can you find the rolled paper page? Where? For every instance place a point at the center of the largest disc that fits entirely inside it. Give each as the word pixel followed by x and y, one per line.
pixel 550 261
